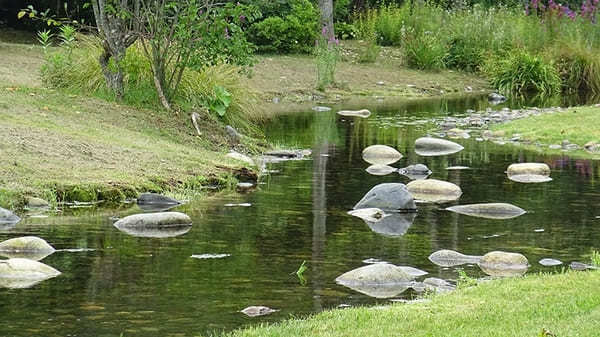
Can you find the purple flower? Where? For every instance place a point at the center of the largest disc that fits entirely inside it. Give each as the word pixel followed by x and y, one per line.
pixel 227 36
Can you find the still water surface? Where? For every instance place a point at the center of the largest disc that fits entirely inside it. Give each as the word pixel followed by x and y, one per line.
pixel 151 287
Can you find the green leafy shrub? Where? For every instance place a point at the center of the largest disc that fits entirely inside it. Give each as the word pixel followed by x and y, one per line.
pixel 578 67
pixel 521 72
pixel 294 32
pixel 424 51
pixel 346 31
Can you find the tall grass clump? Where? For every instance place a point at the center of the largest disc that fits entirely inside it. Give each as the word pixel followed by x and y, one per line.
pixel 81 72
pixel 522 73
pixel 578 66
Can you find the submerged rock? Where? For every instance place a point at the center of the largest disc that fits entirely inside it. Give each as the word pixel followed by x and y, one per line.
pixel 254 311
pixel 413 271
pixel 433 190
pixel 158 200
pixel 245 186
pixel 489 210
pixel 157 225
pixel 393 224
pixel 380 170
pixel 581 266
pixel 369 214
pixel 428 146
pixel 528 168
pixel 388 196
pixel 550 262
pixel 415 172
pixel 381 154
pixel 24 273
pixel 434 284
pixel 495 97
pixel 504 264
pixel 529 178
pixel 29 247
pixel 450 258
pixel 364 113
pixel 457 168
pixel 380 280
pixel 7 217
pixel 240 157
pixel 321 108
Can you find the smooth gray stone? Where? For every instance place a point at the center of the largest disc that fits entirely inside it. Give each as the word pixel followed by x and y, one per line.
pixel 24 273
pixel 364 113
pixel 156 199
pixel 504 264
pixel 157 225
pixel 7 217
pixel 321 108
pixel 29 247
pixel 529 178
pixel 413 271
pixel 429 146
pixel 550 262
pixel 37 203
pixel 380 280
pixel 155 232
pixel 255 311
pixel 433 190
pixel 528 168
pixel 457 168
pixel 381 170
pixel 381 154
pixel 450 258
pixel 368 214
pixel 388 196
pixel 581 266
pixel 489 210
pixel 415 172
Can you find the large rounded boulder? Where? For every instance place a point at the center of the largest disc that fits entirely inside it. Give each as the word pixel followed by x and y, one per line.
pixel 24 273
pixel 388 197
pixel 381 154
pixel 429 146
pixel 489 210
pixel 504 264
pixel 153 224
pixel 29 247
pixel 433 190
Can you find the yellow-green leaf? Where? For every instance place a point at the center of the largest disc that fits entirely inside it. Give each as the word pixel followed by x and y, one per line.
pixel 21 14
pixel 31 15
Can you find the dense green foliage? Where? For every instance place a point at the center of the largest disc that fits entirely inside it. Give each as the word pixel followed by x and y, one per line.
pixel 553 43
pixel 292 28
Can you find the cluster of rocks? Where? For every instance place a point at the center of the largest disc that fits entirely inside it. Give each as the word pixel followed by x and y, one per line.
pixel 22 269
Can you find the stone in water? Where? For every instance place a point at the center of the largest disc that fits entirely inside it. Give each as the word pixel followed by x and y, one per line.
pixel 254 311
pixel 489 210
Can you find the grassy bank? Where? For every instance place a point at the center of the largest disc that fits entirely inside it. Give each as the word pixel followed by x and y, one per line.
pixel 577 125
pixel 563 305
pixel 292 78
pixel 73 147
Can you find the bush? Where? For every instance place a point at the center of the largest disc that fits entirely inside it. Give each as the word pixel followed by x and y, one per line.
pixel 198 88
pixel 424 51
pixel 578 67
pixel 346 31
pixel 521 73
pixel 294 32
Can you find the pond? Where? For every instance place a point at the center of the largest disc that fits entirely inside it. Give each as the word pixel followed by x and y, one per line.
pixel 120 284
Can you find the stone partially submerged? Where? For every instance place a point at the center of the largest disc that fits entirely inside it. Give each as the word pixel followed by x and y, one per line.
pixel 429 146
pixel 550 262
pixel 504 264
pixel 388 197
pixel 258 310
pixel 369 214
pixel 28 247
pixel 380 280
pixel 24 273
pixel 433 190
pixel 154 202
pixel 381 170
pixel 528 168
pixel 156 225
pixel 7 217
pixel 415 172
pixel 364 113
pixel 451 258
pixel 489 210
pixel 381 154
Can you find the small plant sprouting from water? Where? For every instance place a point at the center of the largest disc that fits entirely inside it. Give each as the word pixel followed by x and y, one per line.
pixel 327 53
pixel 464 280
pixel 300 273
pixel 596 258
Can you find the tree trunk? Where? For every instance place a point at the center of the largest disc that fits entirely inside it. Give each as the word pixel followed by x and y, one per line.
pixel 326 8
pixel 114 79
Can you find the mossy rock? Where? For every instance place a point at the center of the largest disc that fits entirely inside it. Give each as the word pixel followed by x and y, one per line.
pixel 77 193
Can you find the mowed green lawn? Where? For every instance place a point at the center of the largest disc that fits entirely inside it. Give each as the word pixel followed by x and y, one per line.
pixel 565 304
